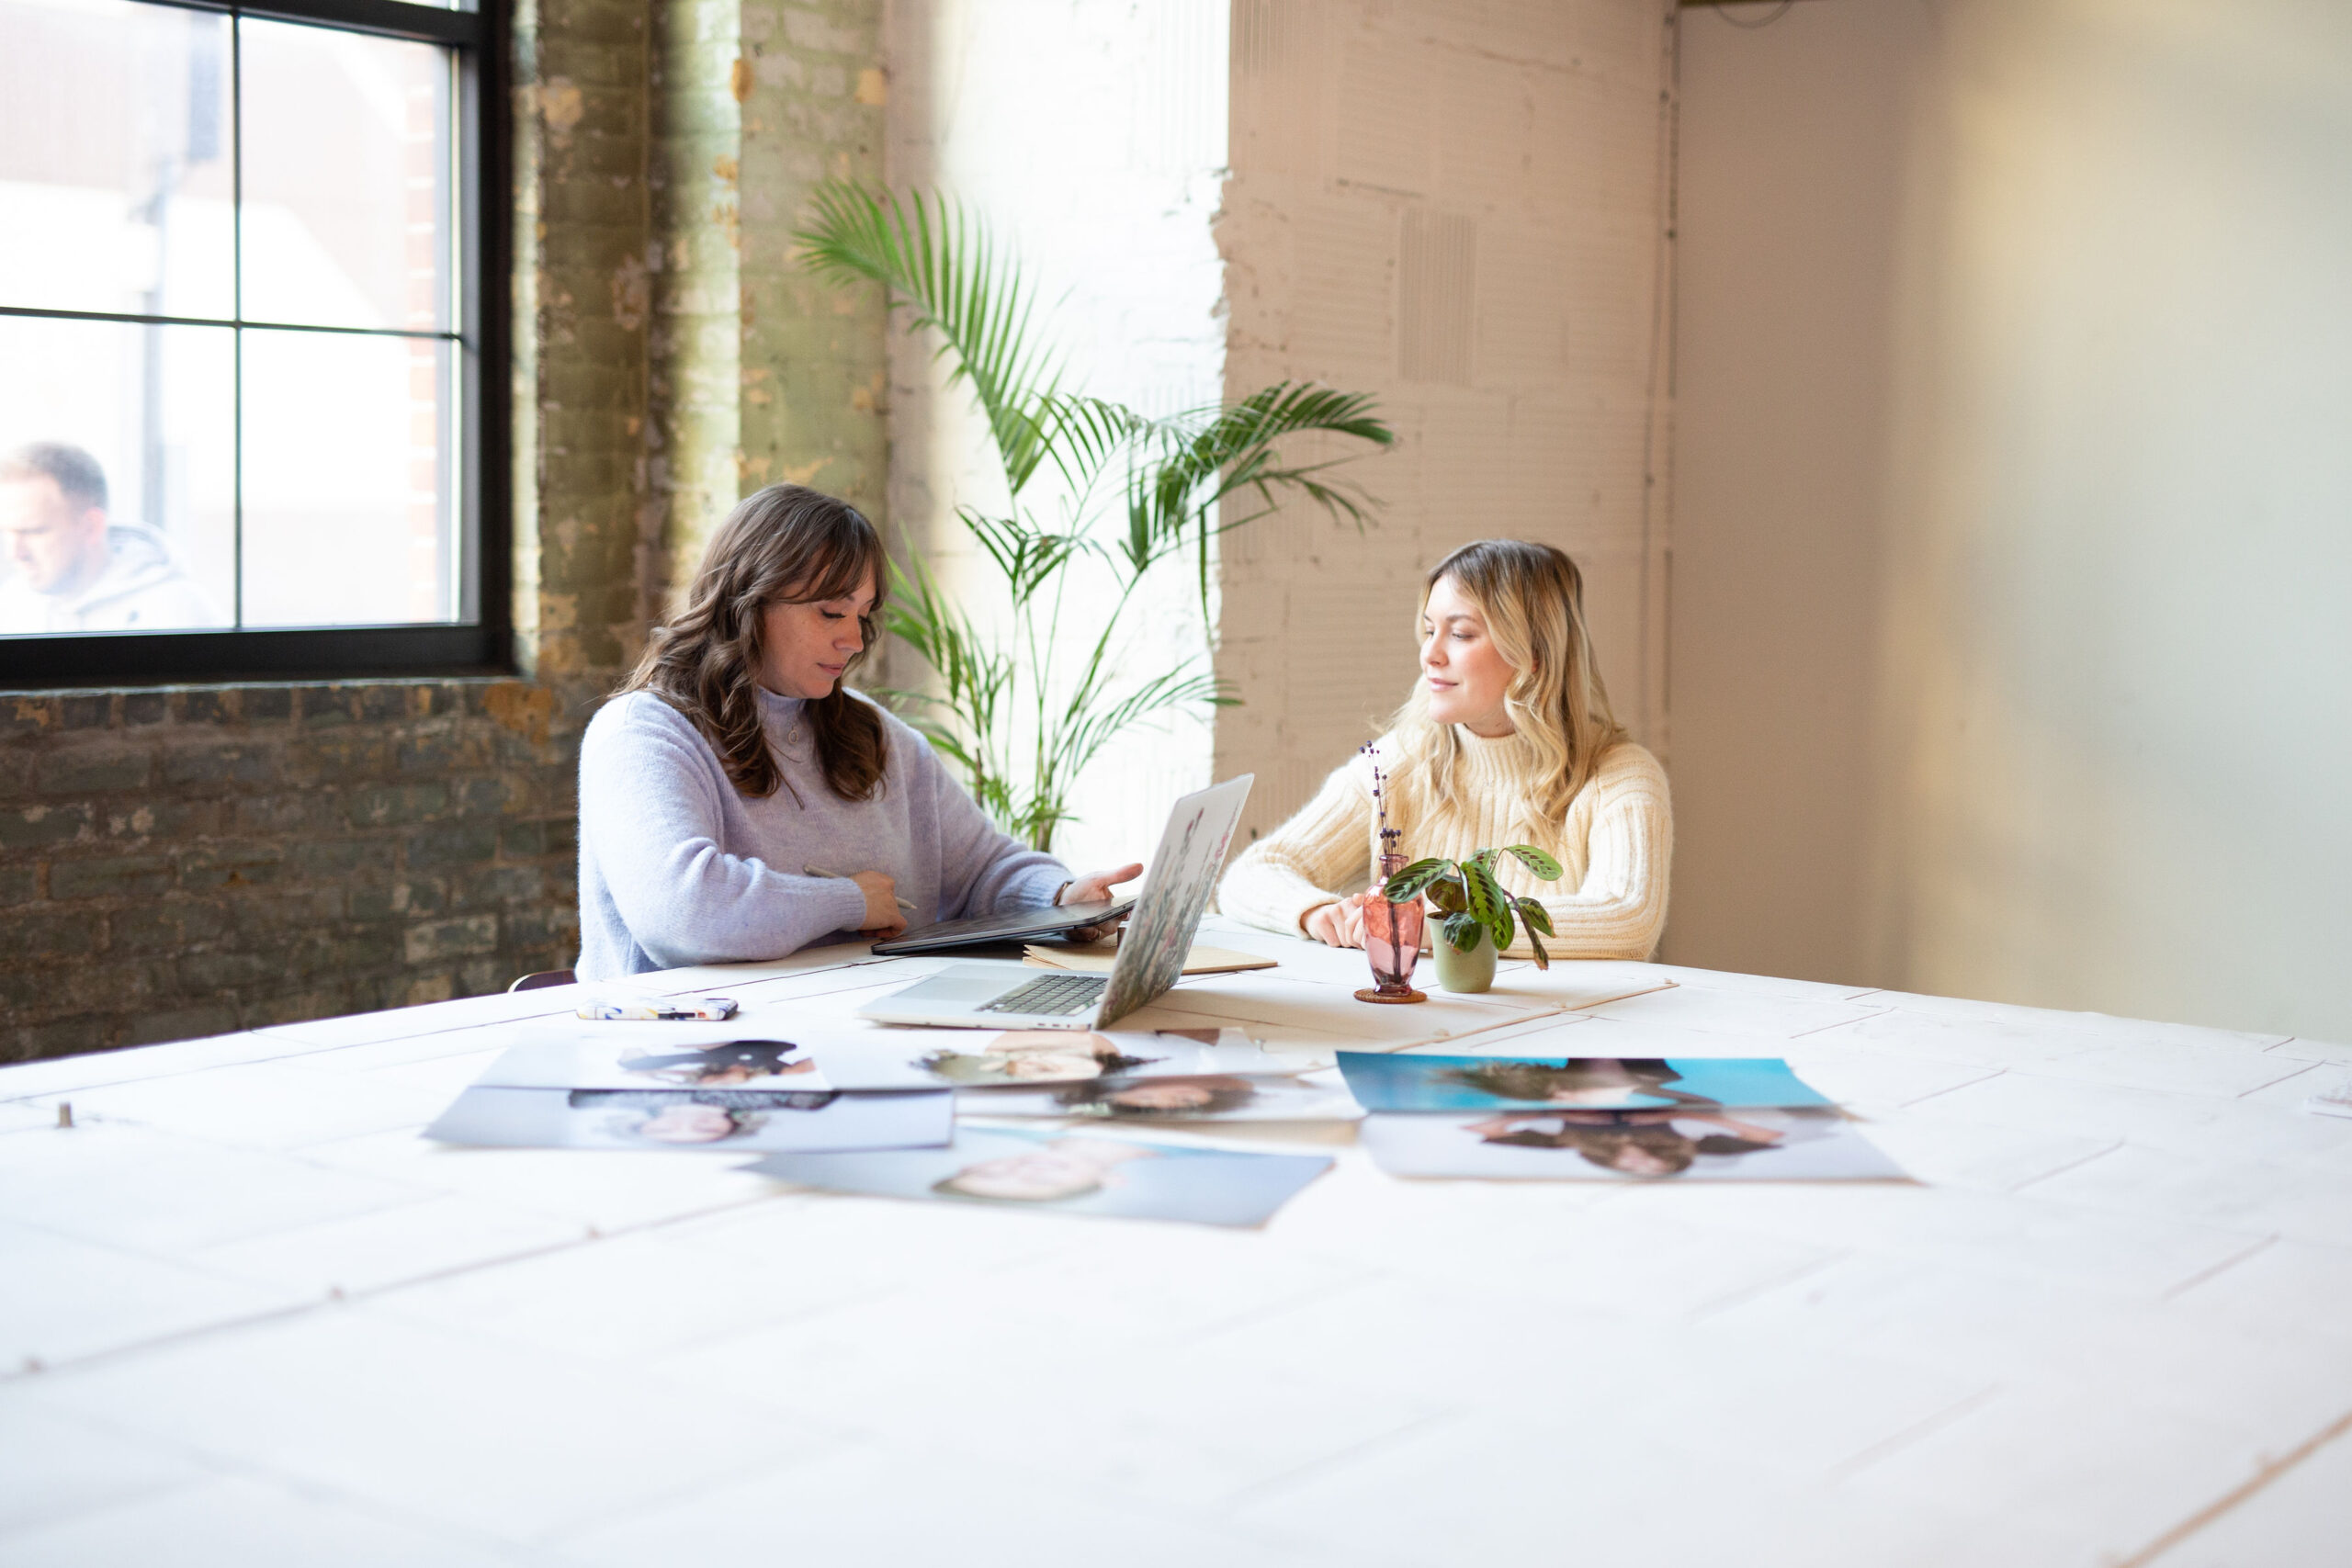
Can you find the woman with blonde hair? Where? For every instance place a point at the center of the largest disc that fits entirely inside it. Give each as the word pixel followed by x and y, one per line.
pixel 1508 739
pixel 738 801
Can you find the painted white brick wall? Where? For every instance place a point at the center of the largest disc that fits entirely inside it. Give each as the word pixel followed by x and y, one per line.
pixel 1461 207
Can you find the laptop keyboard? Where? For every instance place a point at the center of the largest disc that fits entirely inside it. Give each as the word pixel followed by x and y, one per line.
pixel 1052 994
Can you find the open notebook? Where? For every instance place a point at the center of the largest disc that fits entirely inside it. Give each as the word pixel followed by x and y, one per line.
pixel 1095 958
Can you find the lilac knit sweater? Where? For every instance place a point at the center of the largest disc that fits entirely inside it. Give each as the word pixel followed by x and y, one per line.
pixel 677 866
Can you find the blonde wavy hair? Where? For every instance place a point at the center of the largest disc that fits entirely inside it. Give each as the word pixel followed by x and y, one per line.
pixel 1532 597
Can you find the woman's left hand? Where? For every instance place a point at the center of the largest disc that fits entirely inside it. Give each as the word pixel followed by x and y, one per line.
pixel 1095 885
pixel 1338 924
pixel 1093 888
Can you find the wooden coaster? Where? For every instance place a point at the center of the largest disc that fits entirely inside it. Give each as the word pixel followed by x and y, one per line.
pixel 1375 996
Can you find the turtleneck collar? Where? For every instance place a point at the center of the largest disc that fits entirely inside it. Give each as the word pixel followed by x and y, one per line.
pixel 1503 759
pixel 779 710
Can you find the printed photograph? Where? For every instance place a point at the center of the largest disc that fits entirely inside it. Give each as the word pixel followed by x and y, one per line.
pixel 762 1121
pixel 1039 1056
pixel 1072 1172
pixel 970 1060
pixel 1689 1144
pixel 1188 1097
pixel 598 1062
pixel 1383 1082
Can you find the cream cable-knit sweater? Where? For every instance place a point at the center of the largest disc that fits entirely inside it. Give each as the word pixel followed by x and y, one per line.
pixel 1613 846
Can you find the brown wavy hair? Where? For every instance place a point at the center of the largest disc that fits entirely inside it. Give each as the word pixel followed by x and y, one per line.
pixel 784 545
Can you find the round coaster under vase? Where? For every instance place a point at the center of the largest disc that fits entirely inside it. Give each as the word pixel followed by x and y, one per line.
pixel 1374 995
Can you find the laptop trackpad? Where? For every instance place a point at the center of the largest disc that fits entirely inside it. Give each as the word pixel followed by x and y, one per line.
pixel 963 983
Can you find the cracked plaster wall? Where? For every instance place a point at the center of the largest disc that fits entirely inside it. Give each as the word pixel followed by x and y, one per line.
pixel 1464 210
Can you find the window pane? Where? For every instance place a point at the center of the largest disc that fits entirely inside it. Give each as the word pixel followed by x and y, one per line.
pixel 347 194
pixel 148 409
pixel 114 185
pixel 348 514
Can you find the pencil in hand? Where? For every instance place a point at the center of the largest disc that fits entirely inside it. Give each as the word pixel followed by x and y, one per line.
pixel 906 903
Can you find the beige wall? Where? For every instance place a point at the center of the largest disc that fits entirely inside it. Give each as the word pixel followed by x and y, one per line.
pixel 1459 208
pixel 2012 559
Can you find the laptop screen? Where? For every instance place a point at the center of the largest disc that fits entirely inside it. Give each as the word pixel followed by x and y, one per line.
pixel 1175 893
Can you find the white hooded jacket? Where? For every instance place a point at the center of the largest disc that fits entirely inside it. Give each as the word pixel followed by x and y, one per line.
pixel 142 590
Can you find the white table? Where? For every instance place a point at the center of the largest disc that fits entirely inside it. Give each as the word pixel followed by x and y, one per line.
pixel 249 1316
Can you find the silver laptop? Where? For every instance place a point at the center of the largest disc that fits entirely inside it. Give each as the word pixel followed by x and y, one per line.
pixel 1151 953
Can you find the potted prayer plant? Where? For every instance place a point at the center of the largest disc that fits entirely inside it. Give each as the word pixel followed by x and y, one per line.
pixel 1479 914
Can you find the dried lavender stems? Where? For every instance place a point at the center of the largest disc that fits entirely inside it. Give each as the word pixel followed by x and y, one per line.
pixel 1388 836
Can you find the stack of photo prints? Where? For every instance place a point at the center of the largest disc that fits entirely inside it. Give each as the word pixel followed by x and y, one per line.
pixel 885 1112
pixel 1029 1119
pixel 1605 1118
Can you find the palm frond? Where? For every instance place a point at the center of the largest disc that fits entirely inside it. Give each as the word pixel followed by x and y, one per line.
pixel 1085 435
pixel 1227 450
pixel 1018 709
pixel 940 262
pixel 964 720
pixel 1025 557
pixel 1083 739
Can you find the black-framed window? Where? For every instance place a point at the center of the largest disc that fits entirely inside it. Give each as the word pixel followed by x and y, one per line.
pixel 252 341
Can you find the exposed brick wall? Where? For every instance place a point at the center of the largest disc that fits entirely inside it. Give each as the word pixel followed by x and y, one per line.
pixel 189 861
pixel 177 862
pixel 815 379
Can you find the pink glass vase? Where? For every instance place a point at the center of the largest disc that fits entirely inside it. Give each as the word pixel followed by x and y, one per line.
pixel 1392 939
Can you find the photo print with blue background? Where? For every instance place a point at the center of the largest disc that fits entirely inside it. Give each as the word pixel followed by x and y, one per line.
pixel 1415 1083
pixel 1687 1144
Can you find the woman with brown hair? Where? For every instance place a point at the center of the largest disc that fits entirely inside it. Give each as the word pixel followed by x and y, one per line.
pixel 1508 739
pixel 737 801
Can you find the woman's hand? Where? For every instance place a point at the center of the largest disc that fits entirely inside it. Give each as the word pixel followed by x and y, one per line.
pixel 884 919
pixel 1092 888
pixel 1339 924
pixel 1095 885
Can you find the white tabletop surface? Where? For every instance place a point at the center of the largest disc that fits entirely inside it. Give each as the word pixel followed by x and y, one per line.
pixel 249 1316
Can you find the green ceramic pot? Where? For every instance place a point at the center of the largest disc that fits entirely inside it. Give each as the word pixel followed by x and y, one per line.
pixel 1459 971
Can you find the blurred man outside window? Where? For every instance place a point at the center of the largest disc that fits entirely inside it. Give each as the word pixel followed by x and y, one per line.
pixel 70 569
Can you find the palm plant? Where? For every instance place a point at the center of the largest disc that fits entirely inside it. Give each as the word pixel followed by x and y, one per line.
pixel 1019 710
